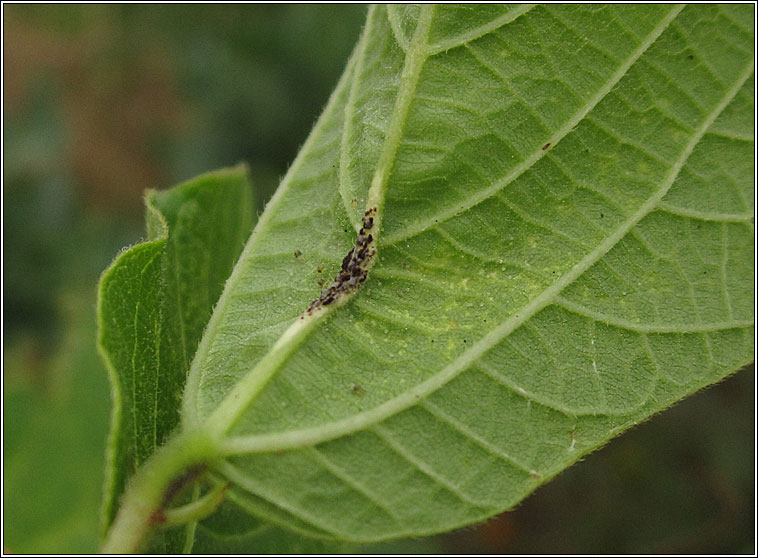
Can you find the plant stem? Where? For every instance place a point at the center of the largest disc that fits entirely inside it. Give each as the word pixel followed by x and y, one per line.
pixel 147 489
pixel 198 509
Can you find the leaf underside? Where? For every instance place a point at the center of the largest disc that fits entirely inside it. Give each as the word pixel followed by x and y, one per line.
pixel 566 248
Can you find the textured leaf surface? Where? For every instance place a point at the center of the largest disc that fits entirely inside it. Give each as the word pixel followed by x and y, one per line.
pixel 232 531
pixel 565 249
pixel 154 303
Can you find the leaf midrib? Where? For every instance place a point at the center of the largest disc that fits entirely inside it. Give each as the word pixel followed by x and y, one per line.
pixel 241 396
pixel 190 415
pixel 328 431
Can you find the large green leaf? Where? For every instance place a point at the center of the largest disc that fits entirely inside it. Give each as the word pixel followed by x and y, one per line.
pixel 561 203
pixel 565 248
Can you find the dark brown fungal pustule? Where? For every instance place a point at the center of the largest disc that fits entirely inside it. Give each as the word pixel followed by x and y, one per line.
pixel 354 267
pixel 346 259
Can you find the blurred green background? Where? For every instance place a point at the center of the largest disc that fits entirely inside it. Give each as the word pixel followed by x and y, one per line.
pixel 103 101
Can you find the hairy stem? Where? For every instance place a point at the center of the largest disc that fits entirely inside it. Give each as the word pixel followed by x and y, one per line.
pixel 147 492
pixel 198 509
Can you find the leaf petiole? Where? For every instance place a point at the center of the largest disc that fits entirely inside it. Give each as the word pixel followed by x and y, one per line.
pixel 146 493
pixel 197 510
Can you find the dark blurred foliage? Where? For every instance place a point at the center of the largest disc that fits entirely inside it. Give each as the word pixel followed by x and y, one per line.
pixel 104 101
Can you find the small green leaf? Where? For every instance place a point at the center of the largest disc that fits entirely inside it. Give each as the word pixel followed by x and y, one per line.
pixel 155 300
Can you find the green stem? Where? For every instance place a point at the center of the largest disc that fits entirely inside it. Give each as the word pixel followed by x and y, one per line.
pixel 148 488
pixel 196 510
